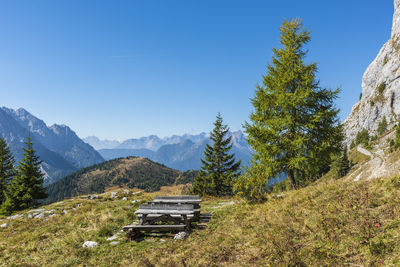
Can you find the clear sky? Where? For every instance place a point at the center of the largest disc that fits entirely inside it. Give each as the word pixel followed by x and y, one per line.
pixel 119 69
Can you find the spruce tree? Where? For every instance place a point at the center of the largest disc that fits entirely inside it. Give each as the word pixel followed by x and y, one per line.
pixel 219 168
pixel 294 125
pixel 6 168
pixel 27 186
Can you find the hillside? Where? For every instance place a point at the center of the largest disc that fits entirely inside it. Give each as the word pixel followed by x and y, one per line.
pixel 129 172
pixel 333 222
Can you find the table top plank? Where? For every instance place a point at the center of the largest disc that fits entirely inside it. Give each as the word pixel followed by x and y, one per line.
pixel 177 212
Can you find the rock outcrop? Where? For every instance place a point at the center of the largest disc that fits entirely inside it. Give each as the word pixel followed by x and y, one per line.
pixel 380 88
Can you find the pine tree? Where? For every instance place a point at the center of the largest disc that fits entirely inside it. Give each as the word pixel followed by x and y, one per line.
pixel 294 125
pixel 27 186
pixel 218 168
pixel 6 168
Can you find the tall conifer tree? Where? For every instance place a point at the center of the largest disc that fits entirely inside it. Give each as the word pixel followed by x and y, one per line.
pixel 27 186
pixel 219 168
pixel 6 168
pixel 294 125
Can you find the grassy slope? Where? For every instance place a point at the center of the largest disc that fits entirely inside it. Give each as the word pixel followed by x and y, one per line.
pixel 331 222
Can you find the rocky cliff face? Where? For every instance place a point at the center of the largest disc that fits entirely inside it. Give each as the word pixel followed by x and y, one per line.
pixel 380 87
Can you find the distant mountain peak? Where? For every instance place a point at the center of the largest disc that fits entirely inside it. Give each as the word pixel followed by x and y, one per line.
pixel 60 149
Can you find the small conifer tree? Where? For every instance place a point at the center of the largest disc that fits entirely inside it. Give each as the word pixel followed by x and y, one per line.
pixel 27 186
pixel 382 126
pixel 341 165
pixel 6 168
pixel 219 168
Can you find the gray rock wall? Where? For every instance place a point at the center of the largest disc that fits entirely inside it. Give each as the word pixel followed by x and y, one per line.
pixel 380 87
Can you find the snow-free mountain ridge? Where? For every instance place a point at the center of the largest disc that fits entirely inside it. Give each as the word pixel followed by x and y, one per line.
pixel 180 152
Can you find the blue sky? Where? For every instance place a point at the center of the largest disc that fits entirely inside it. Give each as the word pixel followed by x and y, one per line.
pixel 120 69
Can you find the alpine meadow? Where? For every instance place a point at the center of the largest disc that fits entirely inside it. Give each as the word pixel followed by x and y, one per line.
pixel 204 133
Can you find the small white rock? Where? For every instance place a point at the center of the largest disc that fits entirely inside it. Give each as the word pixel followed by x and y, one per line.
pixel 124 198
pixel 90 244
pixel 180 235
pixel 112 238
pixel 4 225
pixel 135 201
pixel 114 243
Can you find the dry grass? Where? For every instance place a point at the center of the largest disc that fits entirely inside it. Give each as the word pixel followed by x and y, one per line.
pixel 333 222
pixel 356 157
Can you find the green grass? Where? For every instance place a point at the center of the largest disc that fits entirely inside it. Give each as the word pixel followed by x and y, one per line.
pixel 332 222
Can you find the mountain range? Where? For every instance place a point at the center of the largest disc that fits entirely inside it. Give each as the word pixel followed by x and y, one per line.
pixel 60 149
pixel 151 142
pixel 178 152
pixel 62 152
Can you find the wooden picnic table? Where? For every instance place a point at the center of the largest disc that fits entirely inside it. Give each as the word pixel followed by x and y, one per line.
pixel 179 210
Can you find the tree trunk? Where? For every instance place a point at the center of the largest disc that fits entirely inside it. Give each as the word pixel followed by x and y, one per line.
pixel 291 179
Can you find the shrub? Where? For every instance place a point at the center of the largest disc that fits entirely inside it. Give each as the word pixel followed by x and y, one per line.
pixel 352 144
pixel 395 143
pixel 382 87
pixel 362 137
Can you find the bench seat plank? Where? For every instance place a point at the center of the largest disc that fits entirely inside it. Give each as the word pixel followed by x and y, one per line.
pixel 176 201
pixel 163 206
